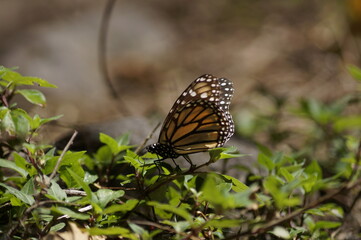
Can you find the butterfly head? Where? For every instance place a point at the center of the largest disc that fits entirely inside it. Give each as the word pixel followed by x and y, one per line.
pixel 163 150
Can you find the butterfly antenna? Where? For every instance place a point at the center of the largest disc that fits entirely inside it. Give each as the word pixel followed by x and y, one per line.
pixel 147 139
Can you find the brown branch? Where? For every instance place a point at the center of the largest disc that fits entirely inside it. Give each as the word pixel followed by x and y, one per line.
pixel 61 157
pixel 146 139
pixel 4 100
pixel 74 192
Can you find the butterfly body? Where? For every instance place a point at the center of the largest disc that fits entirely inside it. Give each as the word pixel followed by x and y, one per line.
pixel 199 119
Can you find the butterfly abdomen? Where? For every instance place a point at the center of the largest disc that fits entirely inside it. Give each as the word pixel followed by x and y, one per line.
pixel 162 150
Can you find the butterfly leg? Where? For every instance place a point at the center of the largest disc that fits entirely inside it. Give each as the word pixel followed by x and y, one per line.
pixel 186 157
pixel 177 168
pixel 157 163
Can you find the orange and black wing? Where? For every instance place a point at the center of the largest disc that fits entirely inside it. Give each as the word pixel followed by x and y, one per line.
pixel 200 120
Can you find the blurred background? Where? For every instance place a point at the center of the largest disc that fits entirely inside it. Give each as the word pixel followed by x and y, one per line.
pixel 275 52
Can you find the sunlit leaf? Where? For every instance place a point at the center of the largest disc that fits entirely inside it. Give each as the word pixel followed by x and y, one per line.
pixel 56 191
pixel 224 223
pixel 281 232
pixel 355 72
pixel 26 198
pixel 21 122
pixel 33 96
pixel 107 195
pixel 57 227
pixel 70 213
pixel 179 211
pixel 347 122
pixel 327 224
pixel 29 187
pixel 11 165
pixel 9 75
pixel 125 207
pixel 265 161
pixel 124 232
pixel 237 185
pixel 81 183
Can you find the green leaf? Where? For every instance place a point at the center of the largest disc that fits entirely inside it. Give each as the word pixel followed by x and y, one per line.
pixel 57 227
pixel 9 164
pixel 116 146
pixel 9 75
pixel 22 163
pixel 41 82
pixel 71 160
pixel 286 174
pixel 124 232
pixel 217 192
pixel 81 183
pixel 3 111
pixel 281 232
pixel 280 192
pixel 103 155
pixel 327 224
pixel 237 185
pixel 88 178
pixel 107 195
pixel 7 123
pixel 15 202
pixel 265 161
pixel 28 199
pixel 70 213
pixel 134 160
pixel 311 183
pixel 179 226
pixel 347 122
pixel 140 231
pixel 355 72
pixel 29 187
pixel 224 153
pixel 125 207
pixel 123 140
pixel 33 96
pixel 56 191
pixel 37 121
pixel 173 209
pixel 223 223
pixel 215 154
pixel 316 211
pixel 16 78
pixel 266 151
pixel 111 142
pixel 314 168
pixel 21 122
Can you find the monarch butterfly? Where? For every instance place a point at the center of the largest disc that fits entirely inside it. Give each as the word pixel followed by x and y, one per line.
pixel 199 119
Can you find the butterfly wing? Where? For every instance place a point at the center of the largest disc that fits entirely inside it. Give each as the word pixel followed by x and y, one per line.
pixel 200 120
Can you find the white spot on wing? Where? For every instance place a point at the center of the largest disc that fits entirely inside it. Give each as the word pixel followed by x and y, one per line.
pixel 204 95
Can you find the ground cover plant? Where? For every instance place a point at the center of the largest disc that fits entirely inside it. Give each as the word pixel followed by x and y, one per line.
pixel 307 192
